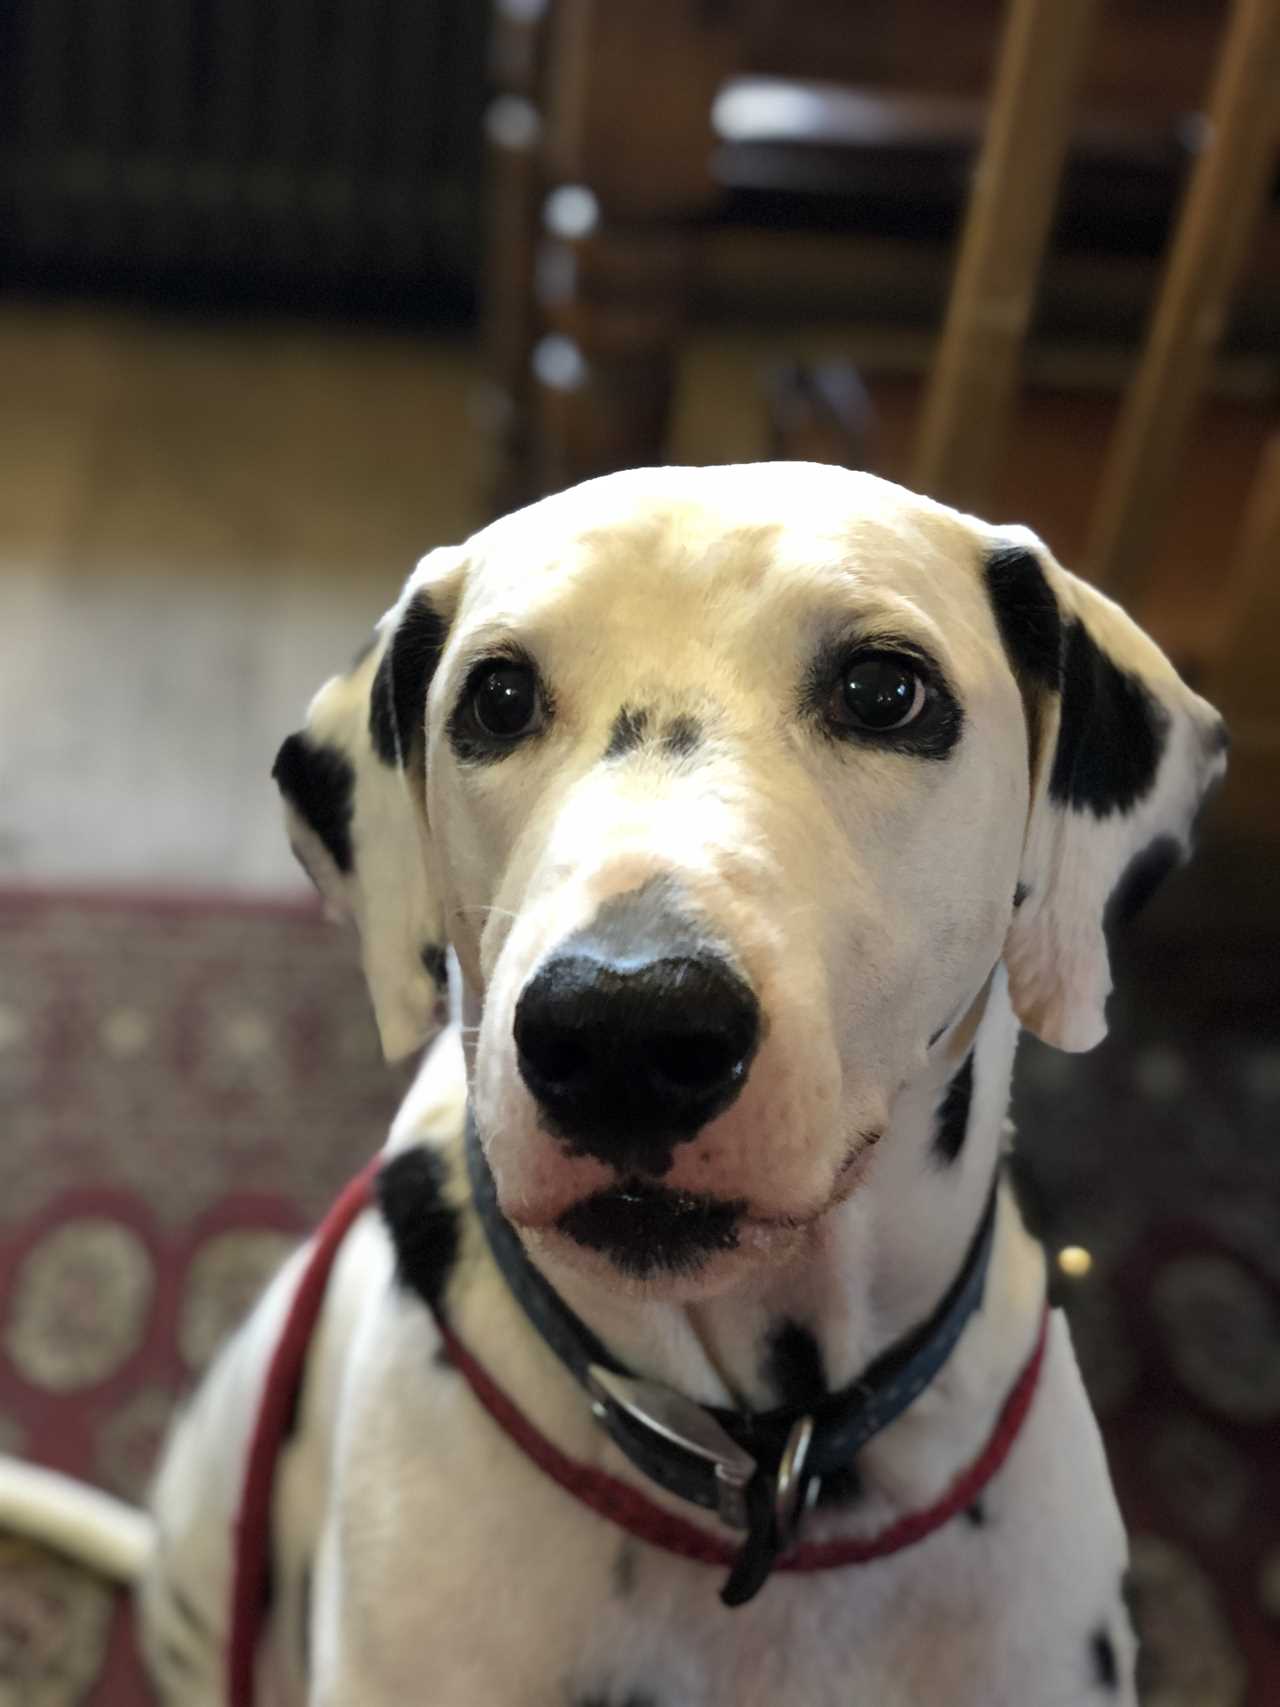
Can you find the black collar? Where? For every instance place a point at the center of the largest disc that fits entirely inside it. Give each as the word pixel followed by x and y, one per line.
pixel 757 1470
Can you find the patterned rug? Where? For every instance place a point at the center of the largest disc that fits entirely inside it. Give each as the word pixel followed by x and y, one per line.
pixel 185 1083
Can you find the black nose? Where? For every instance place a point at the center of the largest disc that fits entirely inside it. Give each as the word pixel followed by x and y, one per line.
pixel 630 1056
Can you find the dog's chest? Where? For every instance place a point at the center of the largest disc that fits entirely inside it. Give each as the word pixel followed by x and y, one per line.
pixel 468 1576
pixel 574 1614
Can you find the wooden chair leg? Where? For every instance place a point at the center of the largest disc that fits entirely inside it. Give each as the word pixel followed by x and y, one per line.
pixel 513 128
pixel 1224 200
pixel 630 86
pixel 1015 187
pixel 613 300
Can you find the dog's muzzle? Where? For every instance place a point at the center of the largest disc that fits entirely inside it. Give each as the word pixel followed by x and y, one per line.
pixel 629 1055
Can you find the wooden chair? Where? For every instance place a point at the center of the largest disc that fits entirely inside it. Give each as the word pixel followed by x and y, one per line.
pixel 604 140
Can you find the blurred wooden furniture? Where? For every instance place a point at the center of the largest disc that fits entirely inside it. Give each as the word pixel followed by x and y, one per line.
pixel 623 127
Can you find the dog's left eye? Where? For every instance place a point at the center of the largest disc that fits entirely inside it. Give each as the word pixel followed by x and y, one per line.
pixel 504 699
pixel 878 692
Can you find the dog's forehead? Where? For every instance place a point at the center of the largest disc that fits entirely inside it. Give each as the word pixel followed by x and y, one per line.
pixel 775 539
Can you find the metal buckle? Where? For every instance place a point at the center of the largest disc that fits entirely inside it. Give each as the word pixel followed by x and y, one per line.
pixel 792 1495
pixel 686 1425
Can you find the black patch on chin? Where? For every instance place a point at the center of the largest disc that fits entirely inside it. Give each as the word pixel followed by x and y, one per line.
pixel 1020 893
pixel 398 697
pixel 318 782
pixel 1111 734
pixel 793 1366
pixel 682 736
pixel 1138 882
pixel 435 964
pixel 630 727
pixel 422 1224
pixel 976 1515
pixel 647 1229
pixel 1102 1653
pixel 953 1115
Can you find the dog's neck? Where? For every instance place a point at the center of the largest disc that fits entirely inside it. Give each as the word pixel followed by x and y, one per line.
pixel 869 1272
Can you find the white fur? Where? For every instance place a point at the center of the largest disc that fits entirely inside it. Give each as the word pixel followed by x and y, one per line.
pixel 868 897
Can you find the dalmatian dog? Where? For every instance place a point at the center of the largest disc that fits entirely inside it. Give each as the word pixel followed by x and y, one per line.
pixel 759 807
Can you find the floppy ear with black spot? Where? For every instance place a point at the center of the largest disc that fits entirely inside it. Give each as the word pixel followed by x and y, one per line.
pixel 1122 753
pixel 353 781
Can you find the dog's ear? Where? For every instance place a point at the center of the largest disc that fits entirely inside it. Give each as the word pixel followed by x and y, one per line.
pixel 1121 755
pixel 353 781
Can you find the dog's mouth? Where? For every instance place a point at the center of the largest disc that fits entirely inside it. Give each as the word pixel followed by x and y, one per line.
pixel 647 1229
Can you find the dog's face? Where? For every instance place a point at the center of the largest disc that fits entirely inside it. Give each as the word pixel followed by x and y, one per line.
pixel 730 788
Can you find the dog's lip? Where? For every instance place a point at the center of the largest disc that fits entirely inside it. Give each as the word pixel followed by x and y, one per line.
pixel 636 1192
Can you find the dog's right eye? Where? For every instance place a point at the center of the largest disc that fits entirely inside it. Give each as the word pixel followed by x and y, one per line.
pixel 504 699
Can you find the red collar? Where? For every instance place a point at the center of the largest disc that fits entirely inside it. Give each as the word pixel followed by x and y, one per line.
pixel 608 1496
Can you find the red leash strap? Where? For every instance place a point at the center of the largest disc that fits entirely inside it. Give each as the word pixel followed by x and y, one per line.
pixel 621 1503
pixel 252 1537
pixel 608 1496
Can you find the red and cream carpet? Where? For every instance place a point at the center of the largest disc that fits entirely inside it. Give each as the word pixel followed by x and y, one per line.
pixel 184 1084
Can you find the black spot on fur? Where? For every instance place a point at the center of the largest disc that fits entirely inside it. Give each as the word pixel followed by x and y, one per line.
pixel 1111 734
pixel 398 698
pixel 623 1570
pixel 793 1366
pixel 435 963
pixel 841 1487
pixel 1138 882
pixel 1026 614
pixel 1020 893
pixel 174 1662
pixel 304 1619
pixel 1129 1595
pixel 976 1515
pixel 630 727
pixel 682 736
pixel 319 783
pixel 1102 1653
pixel 185 1612
pixel 953 1115
pixel 422 1223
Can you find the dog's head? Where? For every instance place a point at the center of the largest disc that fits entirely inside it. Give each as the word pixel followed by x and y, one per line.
pixel 730 787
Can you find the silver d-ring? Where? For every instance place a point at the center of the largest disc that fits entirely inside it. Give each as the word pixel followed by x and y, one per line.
pixel 790 1480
